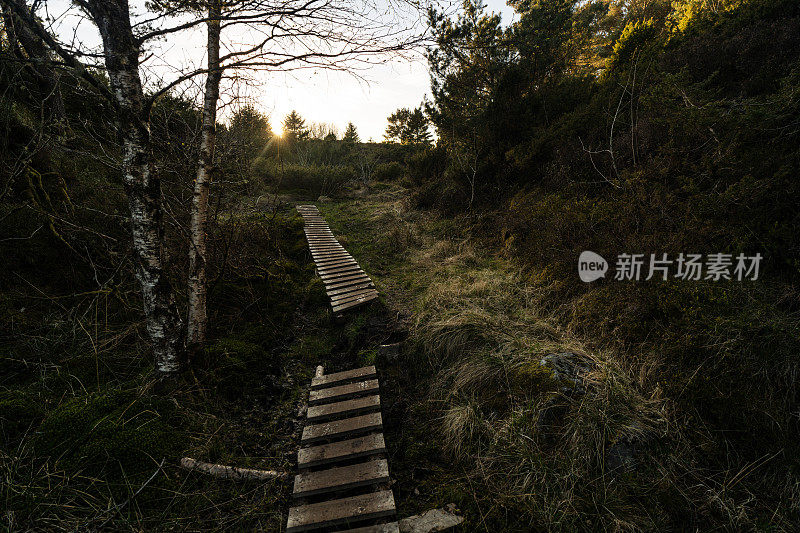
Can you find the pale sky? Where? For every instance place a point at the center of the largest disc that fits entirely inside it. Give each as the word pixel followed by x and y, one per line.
pixel 318 95
pixel 339 98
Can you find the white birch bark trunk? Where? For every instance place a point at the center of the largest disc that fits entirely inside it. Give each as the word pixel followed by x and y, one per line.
pixel 198 315
pixel 142 186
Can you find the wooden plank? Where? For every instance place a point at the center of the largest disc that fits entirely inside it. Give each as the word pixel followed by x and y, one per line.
pixel 337 269
pixel 337 451
pixel 354 303
pixel 341 273
pixel 328 252
pixel 341 478
pixel 340 378
pixel 354 407
pixel 342 298
pixel 346 298
pixel 343 392
pixel 321 249
pixel 344 282
pixel 391 527
pixel 336 261
pixel 330 255
pixel 350 288
pixel 334 269
pixel 342 511
pixel 353 278
pixel 341 429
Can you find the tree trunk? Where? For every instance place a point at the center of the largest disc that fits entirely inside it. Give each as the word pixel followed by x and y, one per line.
pixel 198 316
pixel 143 188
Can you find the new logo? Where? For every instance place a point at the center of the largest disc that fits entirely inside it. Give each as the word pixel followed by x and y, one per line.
pixel 591 266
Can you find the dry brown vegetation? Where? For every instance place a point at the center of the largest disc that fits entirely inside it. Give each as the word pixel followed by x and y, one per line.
pixel 483 422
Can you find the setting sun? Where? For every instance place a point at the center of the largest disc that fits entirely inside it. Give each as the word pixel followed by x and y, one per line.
pixel 276 123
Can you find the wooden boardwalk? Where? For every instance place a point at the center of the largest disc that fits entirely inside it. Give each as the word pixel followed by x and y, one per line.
pixel 343 478
pixel 346 284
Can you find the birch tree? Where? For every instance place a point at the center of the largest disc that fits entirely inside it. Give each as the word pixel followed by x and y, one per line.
pixel 271 35
pixel 198 314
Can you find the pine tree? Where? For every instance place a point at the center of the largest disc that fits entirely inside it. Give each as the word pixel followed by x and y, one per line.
pixel 350 134
pixel 408 127
pixel 295 127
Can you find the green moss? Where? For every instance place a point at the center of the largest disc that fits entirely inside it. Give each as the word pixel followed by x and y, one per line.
pixel 367 357
pixel 112 433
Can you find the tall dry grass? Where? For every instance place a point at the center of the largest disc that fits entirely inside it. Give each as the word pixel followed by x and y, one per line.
pixel 614 453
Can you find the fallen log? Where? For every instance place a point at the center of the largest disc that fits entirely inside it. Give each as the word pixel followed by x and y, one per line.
pixel 230 472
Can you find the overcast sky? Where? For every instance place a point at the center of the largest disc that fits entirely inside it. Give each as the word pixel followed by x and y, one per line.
pixel 318 95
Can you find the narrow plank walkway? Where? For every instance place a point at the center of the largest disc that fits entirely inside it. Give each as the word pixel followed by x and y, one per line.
pixel 346 284
pixel 343 474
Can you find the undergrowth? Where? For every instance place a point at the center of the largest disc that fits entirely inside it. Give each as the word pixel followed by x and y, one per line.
pixel 639 445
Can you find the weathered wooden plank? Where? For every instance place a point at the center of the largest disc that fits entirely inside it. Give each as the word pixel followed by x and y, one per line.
pixel 336 261
pixel 330 255
pixel 343 392
pixel 342 511
pixel 343 298
pixel 354 407
pixel 391 527
pixel 340 378
pixel 337 269
pixel 323 270
pixel 341 272
pixel 343 282
pixel 341 429
pixel 350 297
pixel 354 303
pixel 341 478
pixel 350 288
pixel 338 451
pixel 328 252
